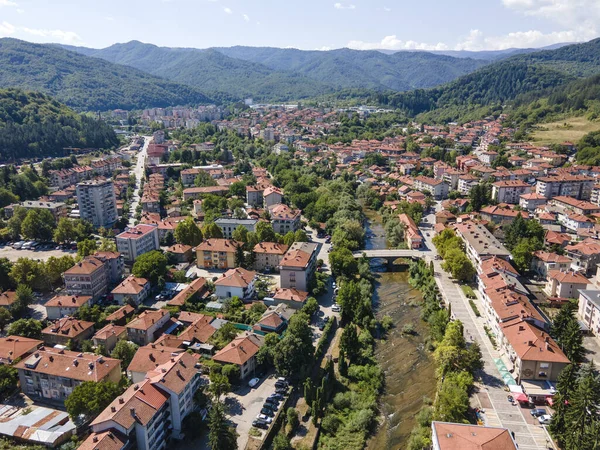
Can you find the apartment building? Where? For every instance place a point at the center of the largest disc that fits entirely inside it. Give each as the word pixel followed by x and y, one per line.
pixel 437 188
pixel 137 240
pixel 589 310
pixel 242 353
pixel 585 256
pixel 298 266
pixel 576 186
pixel 57 209
pixel 284 219
pixel 532 201
pixel 578 206
pixel 268 255
pixel 229 224
pixel 455 436
pixel 89 277
pixel 52 374
pixel 113 261
pixel 151 412
pixel 14 348
pixel 108 336
pixel 509 191
pixel 97 202
pixel 480 244
pixel 543 262
pixel 66 331
pixel 272 196
pixel 217 253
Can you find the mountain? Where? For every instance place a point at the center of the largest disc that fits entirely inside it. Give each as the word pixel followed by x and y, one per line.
pixel 87 83
pixel 34 125
pixel 495 55
pixel 492 86
pixel 346 68
pixel 210 71
pixel 267 73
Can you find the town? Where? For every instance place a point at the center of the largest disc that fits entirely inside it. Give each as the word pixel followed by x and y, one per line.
pixel 210 280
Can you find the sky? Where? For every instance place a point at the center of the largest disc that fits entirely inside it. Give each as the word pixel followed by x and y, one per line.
pixel 307 24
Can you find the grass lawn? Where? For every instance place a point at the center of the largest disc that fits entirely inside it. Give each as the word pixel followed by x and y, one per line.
pixel 468 291
pixel 557 132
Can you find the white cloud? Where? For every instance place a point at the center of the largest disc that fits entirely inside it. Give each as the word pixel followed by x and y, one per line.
pixel 387 9
pixel 246 18
pixel 6 29
pixel 7 3
pixel 20 11
pixel 344 6
pixel 227 10
pixel 476 40
pixel 393 43
pixel 64 37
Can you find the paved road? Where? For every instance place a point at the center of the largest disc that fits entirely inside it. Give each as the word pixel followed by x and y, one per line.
pixel 138 171
pixel 491 394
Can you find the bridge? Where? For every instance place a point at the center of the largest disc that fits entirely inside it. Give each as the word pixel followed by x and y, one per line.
pixel 393 254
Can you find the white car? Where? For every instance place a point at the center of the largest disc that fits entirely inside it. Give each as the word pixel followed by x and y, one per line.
pixel 336 308
pixel 253 382
pixel 545 419
pixel 265 418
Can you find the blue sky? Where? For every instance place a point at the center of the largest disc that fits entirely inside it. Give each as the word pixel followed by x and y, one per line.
pixel 306 24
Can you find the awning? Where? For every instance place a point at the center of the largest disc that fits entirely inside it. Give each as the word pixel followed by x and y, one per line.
pixel 515 388
pixel 521 397
pixel 504 373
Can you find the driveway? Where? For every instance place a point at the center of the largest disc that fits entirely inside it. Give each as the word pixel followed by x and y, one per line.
pixel 245 404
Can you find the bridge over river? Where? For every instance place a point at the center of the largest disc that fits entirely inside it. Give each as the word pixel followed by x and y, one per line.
pixel 390 255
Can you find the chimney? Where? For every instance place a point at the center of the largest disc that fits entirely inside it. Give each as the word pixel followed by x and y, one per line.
pixel 530 343
pixel 132 412
pixel 95 439
pixel 113 409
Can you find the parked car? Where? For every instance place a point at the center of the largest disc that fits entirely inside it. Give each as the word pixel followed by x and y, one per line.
pixel 537 412
pixel 545 419
pixel 270 405
pixel 267 412
pixel 264 417
pixel 280 383
pixel 282 390
pixel 259 423
pixel 336 308
pixel 277 397
pixel 253 382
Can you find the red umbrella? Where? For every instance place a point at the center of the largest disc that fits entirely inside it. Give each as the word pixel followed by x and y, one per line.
pixel 521 397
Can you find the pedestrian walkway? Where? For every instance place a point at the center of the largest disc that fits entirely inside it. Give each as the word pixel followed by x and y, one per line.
pixel 491 394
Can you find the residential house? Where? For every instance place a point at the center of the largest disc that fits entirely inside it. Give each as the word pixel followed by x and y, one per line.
pixel 268 255
pixel 181 253
pixel 585 256
pixel 289 297
pixel 412 235
pixel 143 329
pixel 137 240
pixel 134 288
pixel 121 315
pixel 7 298
pixel 437 188
pixel 242 353
pixel 108 336
pixel 67 330
pixel 16 348
pixel 543 262
pixel 52 374
pixel 564 284
pixel 575 222
pixel 298 266
pixel 272 196
pixel 237 282
pixel 532 201
pixel 88 277
pixel 148 358
pixel 65 305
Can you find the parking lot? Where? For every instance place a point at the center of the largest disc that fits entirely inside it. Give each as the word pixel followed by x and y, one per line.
pixel 13 254
pixel 245 404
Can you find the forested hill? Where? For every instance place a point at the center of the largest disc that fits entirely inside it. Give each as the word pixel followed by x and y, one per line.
pixel 492 86
pixel 34 125
pixel 87 83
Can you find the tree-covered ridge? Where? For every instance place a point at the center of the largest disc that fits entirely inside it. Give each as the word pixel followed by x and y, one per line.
pixel 35 125
pixel 87 83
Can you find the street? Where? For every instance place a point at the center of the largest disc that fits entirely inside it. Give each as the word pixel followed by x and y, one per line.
pixel 138 171
pixel 490 393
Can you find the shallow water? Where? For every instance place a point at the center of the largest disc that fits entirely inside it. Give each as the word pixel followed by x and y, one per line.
pixel 408 367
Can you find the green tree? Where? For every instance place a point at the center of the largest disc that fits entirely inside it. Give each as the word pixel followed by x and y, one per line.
pixel 5 318
pixel 342 262
pixel 38 224
pixel 65 231
pixel 583 417
pixel 240 234
pixel 457 263
pixel 151 265
pixel 86 248
pixel 91 398
pixel 125 351
pixel 310 307
pixel 295 350
pixel 24 298
pixel 523 254
pixel 265 232
pixel 565 385
pixel 238 189
pixel 9 380
pixel 107 245
pixel 7 197
pixel 221 435
pixel 188 233
pixel 30 272
pixel 55 267
pixel 6 282
pixel 211 230
pixel 565 330
pixel 480 195
pixel 30 328
pixel 281 442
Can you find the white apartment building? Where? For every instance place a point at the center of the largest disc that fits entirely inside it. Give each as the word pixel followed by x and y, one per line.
pixel 138 240
pixel 509 191
pixel 97 202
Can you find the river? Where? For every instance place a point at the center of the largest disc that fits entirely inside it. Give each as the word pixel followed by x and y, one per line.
pixel 408 367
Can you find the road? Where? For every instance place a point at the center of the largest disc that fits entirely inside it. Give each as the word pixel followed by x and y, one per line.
pixel 138 171
pixel 491 394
